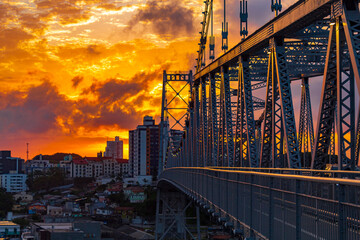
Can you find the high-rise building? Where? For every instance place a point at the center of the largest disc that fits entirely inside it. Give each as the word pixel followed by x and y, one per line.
pixel 8 163
pixel 144 148
pixel 13 182
pixel 114 149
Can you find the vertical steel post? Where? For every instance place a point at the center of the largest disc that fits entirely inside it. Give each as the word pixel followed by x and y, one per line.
pixel 266 140
pixel 157 226
pixel 341 215
pixel 198 222
pixel 327 106
pixel 204 123
pixel 306 129
pixel 229 139
pixel 287 109
pixel 213 116
pixel 298 209
pixel 271 207
pixel 249 111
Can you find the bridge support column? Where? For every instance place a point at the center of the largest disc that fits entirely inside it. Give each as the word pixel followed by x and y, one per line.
pixel 245 152
pixel 213 123
pixel 338 98
pixel 170 216
pixel 306 128
pixel 226 140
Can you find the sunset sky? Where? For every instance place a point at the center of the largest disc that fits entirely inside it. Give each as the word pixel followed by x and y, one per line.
pixel 78 72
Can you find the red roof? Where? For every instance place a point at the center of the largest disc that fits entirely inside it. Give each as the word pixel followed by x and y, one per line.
pixel 115 189
pixel 94 159
pixel 98 159
pixel 121 160
pixel 125 208
pixel 135 189
pixel 80 161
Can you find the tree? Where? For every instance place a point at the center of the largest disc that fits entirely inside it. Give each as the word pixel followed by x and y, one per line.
pixel 23 222
pixel 6 202
pixel 119 198
pixel 119 177
pixel 54 177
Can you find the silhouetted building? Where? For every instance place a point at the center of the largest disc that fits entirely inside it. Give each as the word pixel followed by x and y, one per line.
pixel 114 149
pixel 144 148
pixel 8 163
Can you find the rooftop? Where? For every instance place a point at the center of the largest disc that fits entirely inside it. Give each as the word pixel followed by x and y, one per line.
pixel 7 223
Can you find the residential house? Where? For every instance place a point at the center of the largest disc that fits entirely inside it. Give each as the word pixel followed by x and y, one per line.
pixel 106 211
pixel 135 194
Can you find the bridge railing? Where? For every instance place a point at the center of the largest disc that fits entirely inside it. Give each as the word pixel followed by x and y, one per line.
pixel 275 206
pixel 303 171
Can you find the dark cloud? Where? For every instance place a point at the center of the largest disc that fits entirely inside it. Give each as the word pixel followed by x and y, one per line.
pixel 92 49
pixel 76 81
pixel 6 13
pixel 32 21
pixel 115 104
pixel 166 19
pixel 10 38
pixel 35 112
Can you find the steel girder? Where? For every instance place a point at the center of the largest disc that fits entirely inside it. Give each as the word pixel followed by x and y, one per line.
pixel 357 150
pixel 306 128
pixel 288 118
pixel 213 122
pixel 204 32
pixel 327 107
pixel 197 128
pixel 277 134
pixel 226 140
pixel 245 89
pixel 266 139
pixel 338 92
pixel 204 124
pixel 351 17
pixel 351 23
pixel 272 147
pixel 240 147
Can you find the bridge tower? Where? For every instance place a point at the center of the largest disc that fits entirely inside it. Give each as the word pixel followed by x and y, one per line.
pixel 177 86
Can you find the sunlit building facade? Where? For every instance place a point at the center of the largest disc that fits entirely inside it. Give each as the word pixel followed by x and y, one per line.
pixel 114 149
pixel 144 148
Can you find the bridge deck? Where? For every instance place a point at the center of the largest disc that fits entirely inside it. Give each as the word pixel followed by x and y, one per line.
pixel 272 205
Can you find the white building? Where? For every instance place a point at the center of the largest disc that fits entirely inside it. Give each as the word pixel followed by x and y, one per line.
pixel 114 149
pixel 81 168
pixel 23 196
pixel 13 182
pixel 99 167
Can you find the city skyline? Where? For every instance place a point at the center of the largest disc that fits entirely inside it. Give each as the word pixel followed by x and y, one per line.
pixel 76 73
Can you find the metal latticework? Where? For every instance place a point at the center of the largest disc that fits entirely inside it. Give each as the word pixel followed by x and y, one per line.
pixel 306 128
pixel 338 98
pixel 174 109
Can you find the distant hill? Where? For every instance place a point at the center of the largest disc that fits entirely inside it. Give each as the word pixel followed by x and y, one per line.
pixel 57 156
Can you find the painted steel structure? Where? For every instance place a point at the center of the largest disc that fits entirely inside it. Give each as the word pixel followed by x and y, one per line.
pixel 272 205
pixel 310 38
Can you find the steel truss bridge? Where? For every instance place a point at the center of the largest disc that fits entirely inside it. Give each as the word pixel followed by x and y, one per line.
pixel 264 177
